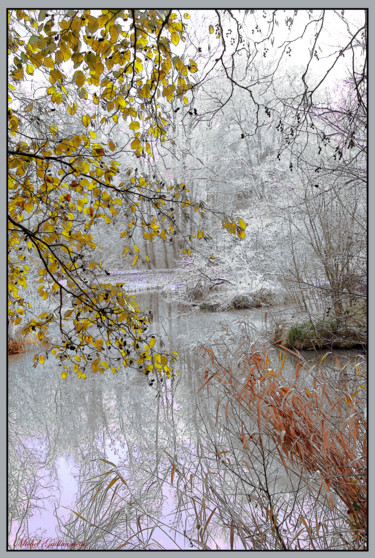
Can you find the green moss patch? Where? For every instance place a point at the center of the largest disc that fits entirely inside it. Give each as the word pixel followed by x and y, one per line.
pixel 323 334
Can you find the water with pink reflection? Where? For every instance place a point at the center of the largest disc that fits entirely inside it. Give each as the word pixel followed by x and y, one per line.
pixel 64 433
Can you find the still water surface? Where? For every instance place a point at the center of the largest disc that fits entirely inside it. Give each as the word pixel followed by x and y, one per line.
pixel 60 429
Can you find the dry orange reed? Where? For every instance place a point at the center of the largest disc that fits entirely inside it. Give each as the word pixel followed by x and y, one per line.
pixel 20 343
pixel 322 428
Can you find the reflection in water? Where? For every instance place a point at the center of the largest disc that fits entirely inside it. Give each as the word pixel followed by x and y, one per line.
pixel 63 433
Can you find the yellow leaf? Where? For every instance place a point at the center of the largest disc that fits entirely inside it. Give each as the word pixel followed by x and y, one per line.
pixel 136 249
pixel 29 206
pixel 18 74
pixel 241 234
pixel 86 120
pixel 186 100
pixel 151 343
pixel 64 375
pixel 72 110
pixel 242 223
pixel 134 125
pixel 92 134
pixel 157 361
pixel 211 29
pixel 29 108
pixel 111 145
pixel 121 101
pixel 187 16
pixel 200 233
pixel 175 38
pixel 193 66
pixel 13 123
pixel 138 66
pixel 41 359
pixel 53 130
pixel 55 75
pixel 135 260
pixel 48 62
pixel 93 24
pixel 114 31
pixel 168 92
pixel 79 78
pixel 53 268
pixel 231 227
pixel 135 143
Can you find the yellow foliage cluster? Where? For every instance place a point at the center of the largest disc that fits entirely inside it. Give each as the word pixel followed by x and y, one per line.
pixel 97 68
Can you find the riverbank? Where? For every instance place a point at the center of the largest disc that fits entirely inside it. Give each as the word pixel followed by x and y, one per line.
pixel 334 333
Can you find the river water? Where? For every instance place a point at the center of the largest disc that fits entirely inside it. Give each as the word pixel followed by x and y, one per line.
pixel 63 433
